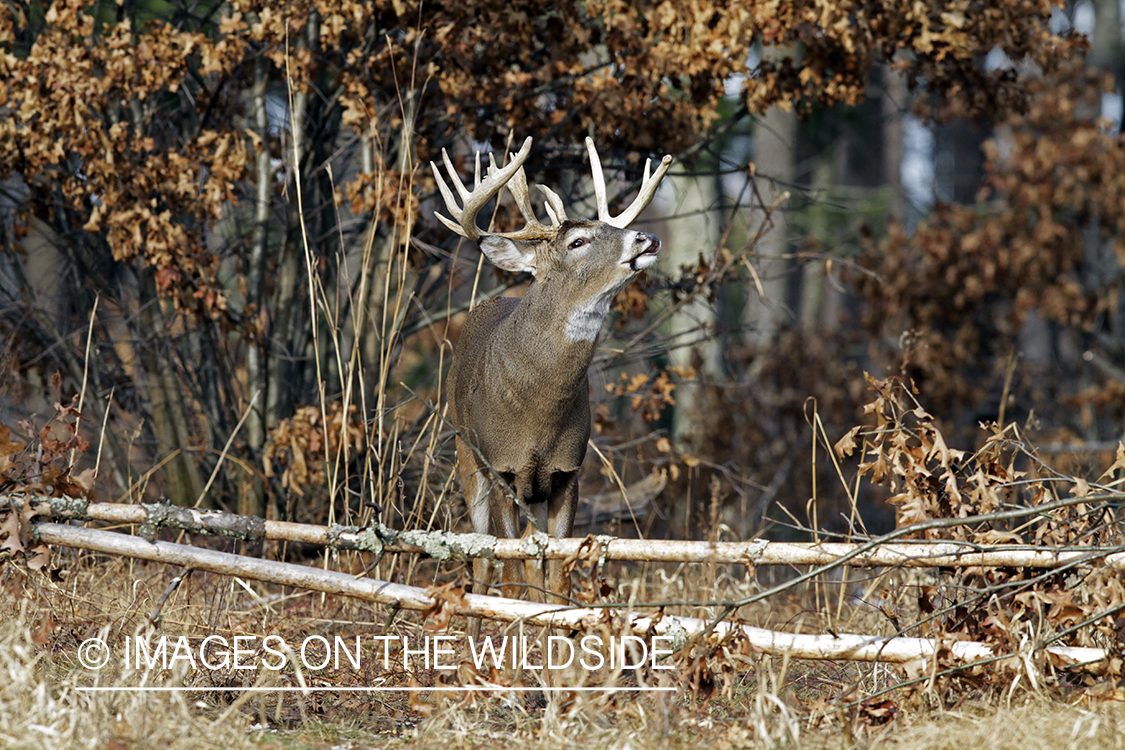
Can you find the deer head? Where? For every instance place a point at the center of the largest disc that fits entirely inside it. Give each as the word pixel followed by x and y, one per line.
pixel 518 389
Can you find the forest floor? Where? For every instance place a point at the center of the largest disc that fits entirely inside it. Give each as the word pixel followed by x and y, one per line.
pixel 731 701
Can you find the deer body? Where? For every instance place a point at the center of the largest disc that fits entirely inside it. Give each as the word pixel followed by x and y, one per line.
pixel 530 424
pixel 523 403
pixel 518 389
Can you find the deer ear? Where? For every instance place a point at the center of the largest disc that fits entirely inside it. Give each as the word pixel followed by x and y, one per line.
pixel 511 255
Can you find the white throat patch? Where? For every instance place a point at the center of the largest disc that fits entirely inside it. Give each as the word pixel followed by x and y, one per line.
pixel 585 323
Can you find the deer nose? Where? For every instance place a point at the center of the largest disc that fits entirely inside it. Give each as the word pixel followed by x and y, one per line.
pixel 649 239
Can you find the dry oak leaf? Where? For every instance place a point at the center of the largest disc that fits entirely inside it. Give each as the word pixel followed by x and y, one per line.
pixel 8 448
pixel 38 557
pixel 846 445
pixel 10 533
pixel 875 712
pixel 449 599
pixel 1118 463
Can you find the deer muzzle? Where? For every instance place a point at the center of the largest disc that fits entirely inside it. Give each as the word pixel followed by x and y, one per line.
pixel 648 246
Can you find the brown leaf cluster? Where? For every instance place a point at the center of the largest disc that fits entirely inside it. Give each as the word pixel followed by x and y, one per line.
pixel 16 538
pixel 144 130
pixel 385 195
pixel 928 480
pixel 47 461
pixel 646 395
pixel 302 448
pixel 84 119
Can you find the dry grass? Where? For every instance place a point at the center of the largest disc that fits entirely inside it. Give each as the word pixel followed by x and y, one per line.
pixel 42 708
pixel 757 702
pixel 1036 725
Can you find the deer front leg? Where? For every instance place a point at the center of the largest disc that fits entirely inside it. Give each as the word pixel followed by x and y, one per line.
pixel 533 569
pixel 506 519
pixel 475 486
pixel 560 519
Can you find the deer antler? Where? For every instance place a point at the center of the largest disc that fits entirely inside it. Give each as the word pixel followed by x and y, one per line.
pixel 464 220
pixel 644 197
pixel 554 205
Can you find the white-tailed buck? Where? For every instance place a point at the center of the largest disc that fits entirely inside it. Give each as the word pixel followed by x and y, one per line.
pixel 518 390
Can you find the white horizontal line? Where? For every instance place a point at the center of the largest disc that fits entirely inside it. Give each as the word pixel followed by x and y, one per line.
pixel 458 689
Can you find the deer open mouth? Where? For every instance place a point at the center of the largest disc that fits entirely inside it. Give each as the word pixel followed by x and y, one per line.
pixel 646 257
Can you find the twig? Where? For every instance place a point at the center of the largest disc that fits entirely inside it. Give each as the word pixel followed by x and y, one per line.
pixel 226 448
pixel 175 584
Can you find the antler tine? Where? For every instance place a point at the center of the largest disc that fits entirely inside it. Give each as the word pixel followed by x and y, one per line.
pixel 517 186
pixel 453 177
pixel 649 184
pixel 447 196
pixel 645 195
pixel 599 181
pixel 464 216
pixel 553 205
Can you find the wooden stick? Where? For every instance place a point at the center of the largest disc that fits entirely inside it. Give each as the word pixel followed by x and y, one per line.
pixel 678 629
pixel 444 545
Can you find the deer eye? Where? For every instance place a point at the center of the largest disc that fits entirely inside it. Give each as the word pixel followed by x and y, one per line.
pixel 574 245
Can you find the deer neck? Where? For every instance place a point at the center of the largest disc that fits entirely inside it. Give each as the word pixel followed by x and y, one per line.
pixel 556 334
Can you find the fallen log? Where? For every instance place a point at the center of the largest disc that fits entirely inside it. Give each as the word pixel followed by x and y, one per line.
pixel 445 545
pixel 680 629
